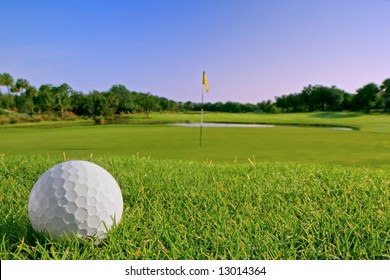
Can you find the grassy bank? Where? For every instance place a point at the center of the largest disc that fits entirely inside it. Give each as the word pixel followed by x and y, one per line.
pixel 189 210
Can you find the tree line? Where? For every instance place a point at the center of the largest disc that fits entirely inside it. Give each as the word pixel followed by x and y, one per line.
pixel 321 98
pixel 62 100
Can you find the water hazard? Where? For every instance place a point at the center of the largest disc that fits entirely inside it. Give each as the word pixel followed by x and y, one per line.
pixel 255 125
pixel 223 125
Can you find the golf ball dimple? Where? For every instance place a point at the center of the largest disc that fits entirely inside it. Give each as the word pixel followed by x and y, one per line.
pixel 75 197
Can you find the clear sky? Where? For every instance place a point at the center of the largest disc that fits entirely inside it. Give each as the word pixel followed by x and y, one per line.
pixel 251 50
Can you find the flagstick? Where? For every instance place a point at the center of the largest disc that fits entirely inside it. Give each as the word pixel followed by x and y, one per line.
pixel 201 121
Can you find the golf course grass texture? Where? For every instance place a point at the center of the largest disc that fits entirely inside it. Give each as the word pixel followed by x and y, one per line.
pixel 191 210
pixel 247 193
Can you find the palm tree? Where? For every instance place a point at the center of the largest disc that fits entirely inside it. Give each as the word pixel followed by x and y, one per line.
pixel 22 84
pixel 111 105
pixel 31 92
pixel 62 94
pixel 46 98
pixel 8 81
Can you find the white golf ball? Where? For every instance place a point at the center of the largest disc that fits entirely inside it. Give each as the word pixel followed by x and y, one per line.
pixel 75 197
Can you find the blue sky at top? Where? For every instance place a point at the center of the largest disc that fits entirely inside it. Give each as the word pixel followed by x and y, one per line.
pixel 251 50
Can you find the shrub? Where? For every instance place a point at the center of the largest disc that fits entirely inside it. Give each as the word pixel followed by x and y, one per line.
pixel 4 119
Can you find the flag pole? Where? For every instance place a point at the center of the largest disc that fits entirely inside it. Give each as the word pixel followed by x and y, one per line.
pixel 204 82
pixel 201 121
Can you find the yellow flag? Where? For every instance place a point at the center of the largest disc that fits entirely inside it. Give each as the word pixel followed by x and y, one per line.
pixel 205 81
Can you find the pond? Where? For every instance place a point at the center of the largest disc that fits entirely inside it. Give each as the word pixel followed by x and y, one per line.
pixel 255 125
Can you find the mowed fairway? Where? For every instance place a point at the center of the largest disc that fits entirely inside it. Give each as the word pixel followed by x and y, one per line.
pixel 220 145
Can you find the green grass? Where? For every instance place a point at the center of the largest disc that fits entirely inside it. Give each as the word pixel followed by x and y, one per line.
pixel 220 145
pixel 190 210
pixel 364 122
pixel 248 193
